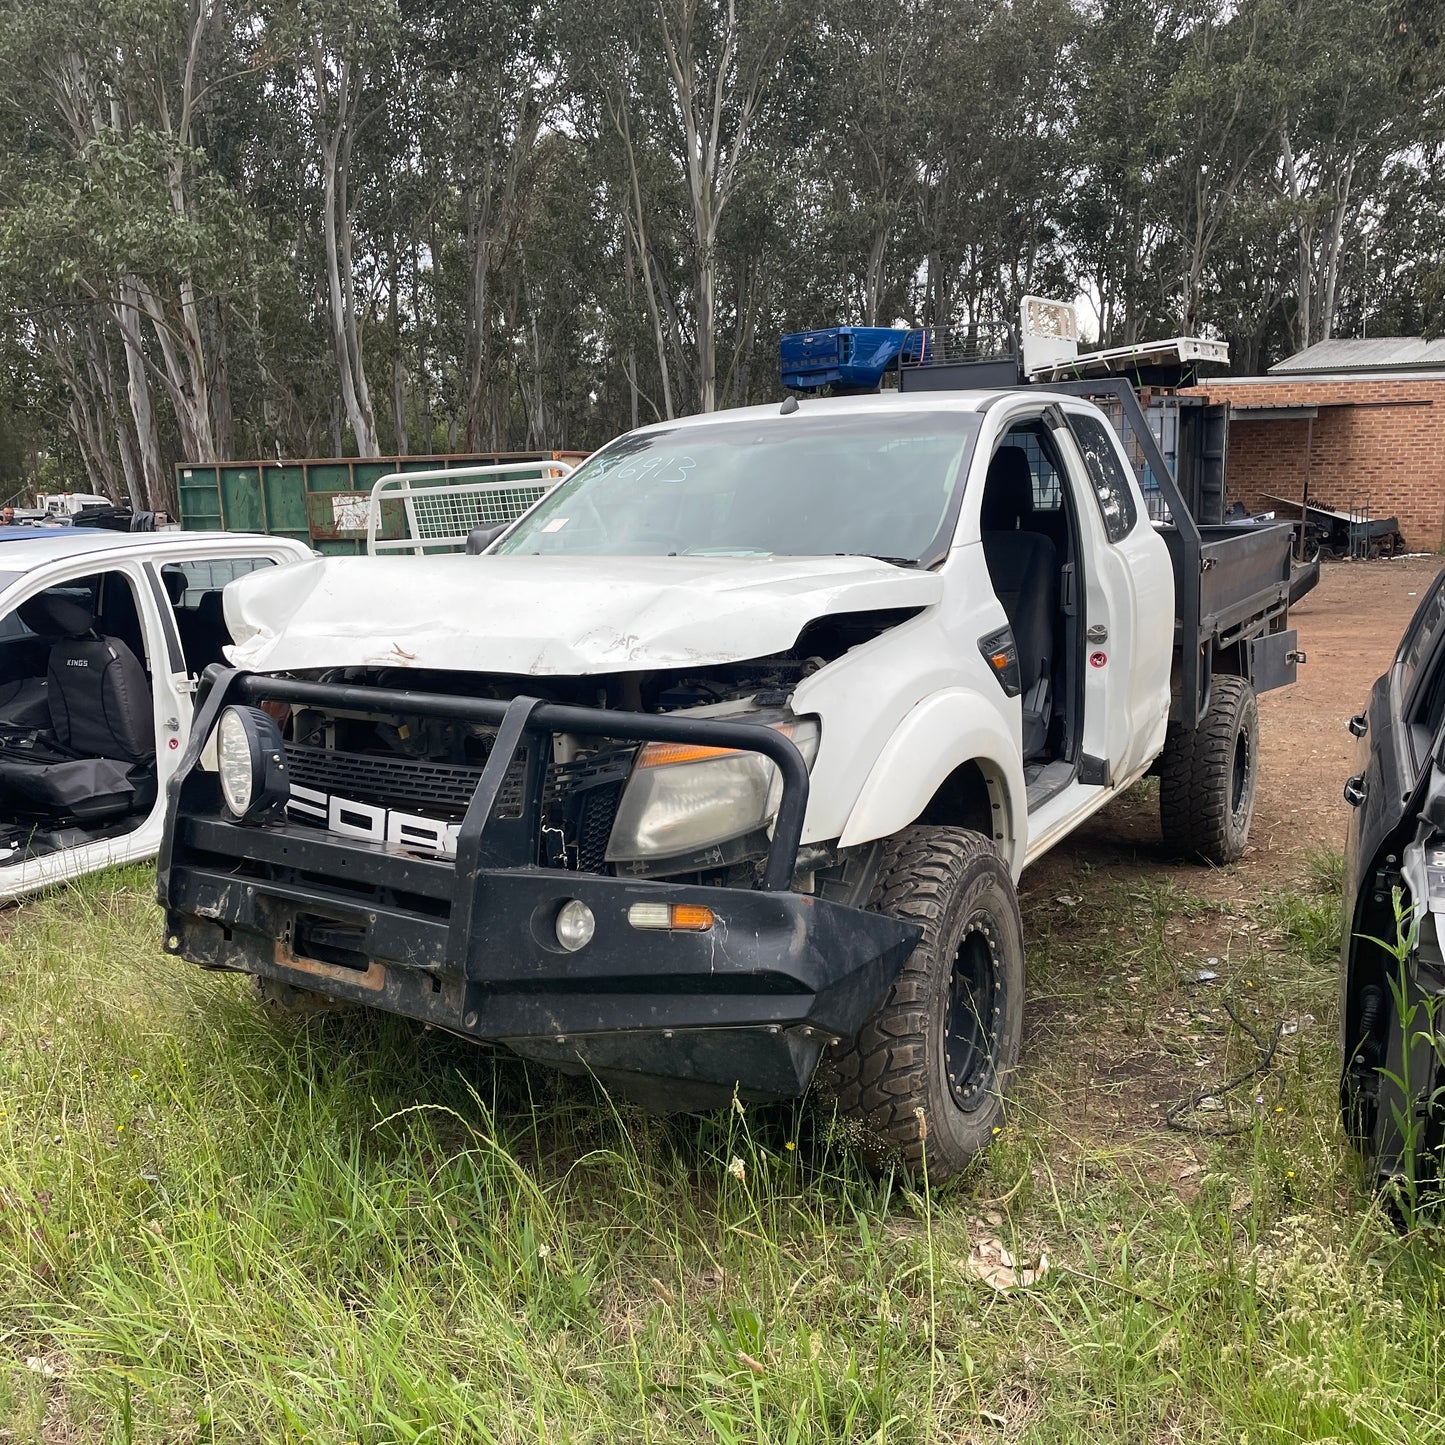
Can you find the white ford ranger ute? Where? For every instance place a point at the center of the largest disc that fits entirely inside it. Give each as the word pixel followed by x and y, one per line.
pixel 716 770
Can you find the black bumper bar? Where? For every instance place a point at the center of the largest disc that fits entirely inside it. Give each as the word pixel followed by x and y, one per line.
pixel 677 1018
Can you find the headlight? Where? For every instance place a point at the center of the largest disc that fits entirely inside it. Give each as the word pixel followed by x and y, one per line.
pixel 682 798
pixel 251 761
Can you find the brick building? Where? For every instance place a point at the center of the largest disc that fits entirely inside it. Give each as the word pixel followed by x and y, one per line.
pixel 1351 424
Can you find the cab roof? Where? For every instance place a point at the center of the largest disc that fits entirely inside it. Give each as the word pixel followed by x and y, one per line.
pixel 865 404
pixel 23 548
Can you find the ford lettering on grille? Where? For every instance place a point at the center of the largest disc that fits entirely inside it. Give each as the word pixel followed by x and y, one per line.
pixel 351 819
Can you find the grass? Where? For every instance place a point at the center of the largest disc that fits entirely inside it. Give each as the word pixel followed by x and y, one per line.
pixel 216 1228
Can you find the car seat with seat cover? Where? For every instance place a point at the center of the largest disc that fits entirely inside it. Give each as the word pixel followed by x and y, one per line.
pixel 23 703
pixel 99 757
pixel 210 635
pixel 1023 566
pixel 202 627
pixel 100 697
pixel 24 656
pixel 176 584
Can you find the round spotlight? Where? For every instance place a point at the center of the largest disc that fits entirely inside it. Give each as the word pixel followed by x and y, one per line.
pixel 575 925
pixel 251 761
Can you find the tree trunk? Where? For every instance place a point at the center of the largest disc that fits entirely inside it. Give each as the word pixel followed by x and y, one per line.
pixel 428 444
pixel 88 407
pixel 138 393
pixel 99 359
pixel 479 269
pixel 1304 248
pixel 398 367
pixel 706 327
pixel 713 160
pixel 336 239
pixel 873 282
pixel 1335 246
pixel 630 365
pixel 222 416
pixel 350 312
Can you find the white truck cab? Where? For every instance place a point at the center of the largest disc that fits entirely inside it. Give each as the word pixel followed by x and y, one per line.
pixel 103 636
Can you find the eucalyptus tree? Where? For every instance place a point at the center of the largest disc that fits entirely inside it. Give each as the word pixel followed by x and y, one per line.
pixel 869 115
pixel 1218 100
pixel 1114 212
pixel 1339 110
pixel 685 87
pixel 488 73
pixel 994 167
pixel 332 59
pixel 617 109
pixel 116 223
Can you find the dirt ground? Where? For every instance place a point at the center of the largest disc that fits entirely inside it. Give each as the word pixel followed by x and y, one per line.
pixel 1349 627
pixel 1120 1025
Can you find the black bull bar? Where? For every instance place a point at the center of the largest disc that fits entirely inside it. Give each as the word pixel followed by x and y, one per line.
pixel 675 1019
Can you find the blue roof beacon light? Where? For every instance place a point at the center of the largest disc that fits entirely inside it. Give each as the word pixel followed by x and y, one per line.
pixel 852 358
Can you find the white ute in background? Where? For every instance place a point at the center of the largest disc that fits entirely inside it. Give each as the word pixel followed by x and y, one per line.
pixel 103 636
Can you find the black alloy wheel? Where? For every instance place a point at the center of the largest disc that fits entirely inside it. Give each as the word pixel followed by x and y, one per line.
pixel 977 1004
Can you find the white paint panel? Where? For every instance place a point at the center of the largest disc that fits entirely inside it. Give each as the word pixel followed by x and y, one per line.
pixel 548 616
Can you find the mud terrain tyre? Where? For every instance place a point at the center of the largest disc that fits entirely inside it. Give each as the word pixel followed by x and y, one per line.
pixel 927 1075
pixel 1208 776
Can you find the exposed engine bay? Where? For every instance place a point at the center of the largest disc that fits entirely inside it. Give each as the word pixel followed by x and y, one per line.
pixel 405 782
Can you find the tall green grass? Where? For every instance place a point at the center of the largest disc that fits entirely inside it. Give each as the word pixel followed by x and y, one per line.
pixel 215 1228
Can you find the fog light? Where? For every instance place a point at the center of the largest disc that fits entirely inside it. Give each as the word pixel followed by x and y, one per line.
pixel 575 925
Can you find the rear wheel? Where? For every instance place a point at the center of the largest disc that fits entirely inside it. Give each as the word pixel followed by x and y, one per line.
pixel 1207 776
pixel 927 1074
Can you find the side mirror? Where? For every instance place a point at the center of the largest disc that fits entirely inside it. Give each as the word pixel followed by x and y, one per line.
pixel 480 538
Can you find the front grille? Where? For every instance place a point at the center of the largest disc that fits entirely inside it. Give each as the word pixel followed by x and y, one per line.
pixel 587 793
pixel 595 816
pixel 394 780
pixel 579 800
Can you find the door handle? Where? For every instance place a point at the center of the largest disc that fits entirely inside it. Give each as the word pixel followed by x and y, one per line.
pixel 1355 790
pixel 1358 725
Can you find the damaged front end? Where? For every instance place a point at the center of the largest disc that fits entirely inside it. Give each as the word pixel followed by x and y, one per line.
pixel 469 861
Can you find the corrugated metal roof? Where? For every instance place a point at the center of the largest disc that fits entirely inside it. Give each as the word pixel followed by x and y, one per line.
pixel 1376 353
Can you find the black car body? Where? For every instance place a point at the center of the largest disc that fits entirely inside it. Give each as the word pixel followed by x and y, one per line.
pixel 1393 975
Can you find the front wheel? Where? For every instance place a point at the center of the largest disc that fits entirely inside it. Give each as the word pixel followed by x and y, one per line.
pixel 1207 776
pixel 926 1077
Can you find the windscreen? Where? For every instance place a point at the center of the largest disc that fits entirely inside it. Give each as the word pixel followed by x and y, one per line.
pixel 880 485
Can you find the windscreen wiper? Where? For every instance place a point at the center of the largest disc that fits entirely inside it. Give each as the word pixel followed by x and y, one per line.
pixel 877 557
